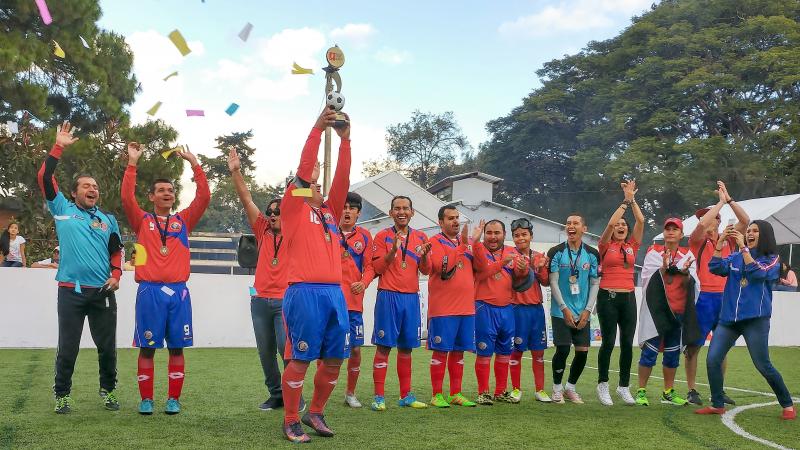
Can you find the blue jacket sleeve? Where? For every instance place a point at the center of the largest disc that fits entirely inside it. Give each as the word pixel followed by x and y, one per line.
pixel 763 268
pixel 719 266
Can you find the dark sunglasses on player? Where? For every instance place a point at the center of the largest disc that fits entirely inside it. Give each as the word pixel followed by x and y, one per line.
pixel 521 223
pixel 274 212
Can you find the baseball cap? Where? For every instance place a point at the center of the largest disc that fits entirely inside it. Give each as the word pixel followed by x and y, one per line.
pixel 674 221
pixel 702 212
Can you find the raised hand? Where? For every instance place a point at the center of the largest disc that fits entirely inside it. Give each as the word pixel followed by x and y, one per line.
pixel 739 237
pixel 426 247
pixel 542 262
pixel 64 135
pixel 724 196
pixel 629 189
pixel 521 262
pixel 315 172
pixel 463 238
pixel 344 132
pixel 507 259
pixel 326 119
pixel 234 164
pixel 134 152
pixel 688 264
pixel 477 231
pixel 188 156
pixel 665 257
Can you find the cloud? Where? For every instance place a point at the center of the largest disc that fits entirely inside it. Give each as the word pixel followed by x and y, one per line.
pixel 392 57
pixel 355 34
pixel 572 16
pixel 302 46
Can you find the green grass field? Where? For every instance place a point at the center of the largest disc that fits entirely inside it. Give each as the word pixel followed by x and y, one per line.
pixel 224 387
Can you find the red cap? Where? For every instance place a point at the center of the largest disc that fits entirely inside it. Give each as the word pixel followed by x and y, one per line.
pixel 702 212
pixel 674 221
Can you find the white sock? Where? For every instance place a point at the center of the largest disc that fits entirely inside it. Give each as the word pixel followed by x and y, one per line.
pixel 570 387
pixel 557 388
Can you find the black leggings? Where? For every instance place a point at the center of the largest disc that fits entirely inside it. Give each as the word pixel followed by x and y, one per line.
pixel 612 312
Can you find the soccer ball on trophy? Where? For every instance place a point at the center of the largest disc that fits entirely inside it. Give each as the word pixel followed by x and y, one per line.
pixel 335 100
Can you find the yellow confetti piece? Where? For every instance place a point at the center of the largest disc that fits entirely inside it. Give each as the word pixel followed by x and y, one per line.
pixel 173 74
pixel 177 38
pixel 140 258
pixel 166 153
pixel 152 111
pixel 297 70
pixel 58 51
pixel 301 192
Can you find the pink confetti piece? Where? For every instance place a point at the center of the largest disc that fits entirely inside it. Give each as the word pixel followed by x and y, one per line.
pixel 44 12
pixel 195 112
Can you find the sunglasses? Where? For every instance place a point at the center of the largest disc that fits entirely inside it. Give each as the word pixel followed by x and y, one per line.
pixel 274 212
pixel 521 223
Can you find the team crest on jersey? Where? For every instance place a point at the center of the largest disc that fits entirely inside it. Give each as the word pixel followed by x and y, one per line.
pixel 518 340
pixel 328 217
pixel 628 250
pixel 175 226
pixel 358 246
pixel 302 346
pixel 148 334
pixel 482 345
pixel 381 333
pixel 437 340
pixel 586 266
pixel 418 249
pixel 152 226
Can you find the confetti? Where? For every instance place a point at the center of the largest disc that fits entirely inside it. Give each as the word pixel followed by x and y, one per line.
pixel 195 113
pixel 180 43
pixel 173 74
pixel 152 111
pixel 166 153
pixel 58 51
pixel 83 41
pixel 301 192
pixel 12 127
pixel 232 109
pixel 245 33
pixel 44 12
pixel 140 258
pixel 297 70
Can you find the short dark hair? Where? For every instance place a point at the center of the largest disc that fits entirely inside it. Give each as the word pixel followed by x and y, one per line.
pixel 401 197
pixel 273 201
pixel 502 225
pixel 577 214
pixel 445 208
pixel 766 238
pixel 354 200
pixel 159 180
pixel 77 178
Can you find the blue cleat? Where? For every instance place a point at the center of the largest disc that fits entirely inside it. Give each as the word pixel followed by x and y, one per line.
pixel 379 404
pixel 411 400
pixel 173 406
pixel 146 407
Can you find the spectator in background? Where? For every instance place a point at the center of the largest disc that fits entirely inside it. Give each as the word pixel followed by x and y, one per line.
pixel 130 264
pixel 12 247
pixel 787 280
pixel 49 263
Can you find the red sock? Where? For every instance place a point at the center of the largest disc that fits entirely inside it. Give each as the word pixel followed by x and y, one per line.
pixel 438 366
pixel 324 382
pixel 482 373
pixel 176 374
pixel 292 384
pixel 353 371
pixel 538 368
pixel 455 370
pixel 404 373
pixel 379 365
pixel 144 374
pixel 515 367
pixel 501 373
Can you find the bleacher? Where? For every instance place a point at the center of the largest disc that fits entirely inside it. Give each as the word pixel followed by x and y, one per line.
pixel 215 253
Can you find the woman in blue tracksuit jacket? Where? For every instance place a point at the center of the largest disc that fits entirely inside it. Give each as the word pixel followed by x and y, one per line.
pixel 746 310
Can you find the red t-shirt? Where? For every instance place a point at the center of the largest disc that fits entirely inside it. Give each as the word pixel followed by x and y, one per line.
pixel 494 280
pixel 394 277
pixel 533 296
pixel 270 278
pixel 456 295
pixel 356 265
pixel 174 266
pixel 708 281
pixel 674 285
pixel 613 256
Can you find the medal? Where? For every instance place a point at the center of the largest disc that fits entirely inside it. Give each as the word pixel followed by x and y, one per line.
pixel 274 261
pixel 460 265
pixel 345 254
pixel 743 283
pixel 162 233
pixel 626 265
pixel 498 275
pixel 403 265
pixel 573 279
pixel 327 236
pixel 164 250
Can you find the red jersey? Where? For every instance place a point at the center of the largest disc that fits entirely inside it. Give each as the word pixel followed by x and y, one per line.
pixel 402 274
pixel 533 296
pixel 674 285
pixel 456 295
pixel 172 267
pixel 356 265
pixel 314 252
pixel 708 281
pixel 273 261
pixel 616 260
pixel 494 280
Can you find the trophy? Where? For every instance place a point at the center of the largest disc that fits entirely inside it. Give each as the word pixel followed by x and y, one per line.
pixel 334 98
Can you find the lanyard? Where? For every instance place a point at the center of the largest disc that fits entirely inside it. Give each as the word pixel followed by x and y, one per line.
pixel 455 241
pixel 91 214
pixel 276 245
pixel 318 213
pixel 162 232
pixel 344 239
pixel 491 254
pixel 573 266
pixel 402 248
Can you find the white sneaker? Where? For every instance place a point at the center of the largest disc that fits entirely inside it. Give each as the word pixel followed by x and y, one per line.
pixel 573 396
pixel 352 401
pixel 603 394
pixel 541 396
pixel 558 394
pixel 625 394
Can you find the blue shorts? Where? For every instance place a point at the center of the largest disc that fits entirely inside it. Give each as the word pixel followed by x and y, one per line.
pixel 317 326
pixel 356 328
pixel 451 333
pixel 669 343
pixel 397 320
pixel 530 330
pixel 708 307
pixel 494 329
pixel 163 312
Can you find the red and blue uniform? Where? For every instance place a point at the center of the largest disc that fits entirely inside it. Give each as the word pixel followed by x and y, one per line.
pixel 163 304
pixel 397 316
pixel 314 308
pixel 356 267
pixel 272 268
pixel 709 300
pixel 530 329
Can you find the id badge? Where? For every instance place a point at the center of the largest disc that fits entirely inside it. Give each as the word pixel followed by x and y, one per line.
pixel 574 289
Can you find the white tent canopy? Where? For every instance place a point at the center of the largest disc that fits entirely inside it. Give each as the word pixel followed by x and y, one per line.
pixel 782 212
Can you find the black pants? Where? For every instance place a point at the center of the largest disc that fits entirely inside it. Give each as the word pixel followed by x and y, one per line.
pixel 73 308
pixel 619 311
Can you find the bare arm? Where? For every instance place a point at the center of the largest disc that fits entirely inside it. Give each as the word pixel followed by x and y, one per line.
pixel 250 207
pixel 743 220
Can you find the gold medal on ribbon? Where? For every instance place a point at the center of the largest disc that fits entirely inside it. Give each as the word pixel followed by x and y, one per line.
pixel 274 261
pixel 327 236
pixel 743 283
pixel 403 265
pixel 498 275
pixel 460 265
pixel 345 254
pixel 164 250
pixel 573 279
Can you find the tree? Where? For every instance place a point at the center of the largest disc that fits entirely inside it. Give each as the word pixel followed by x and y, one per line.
pixel 424 148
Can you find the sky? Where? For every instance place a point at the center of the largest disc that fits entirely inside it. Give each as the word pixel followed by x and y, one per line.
pixel 475 58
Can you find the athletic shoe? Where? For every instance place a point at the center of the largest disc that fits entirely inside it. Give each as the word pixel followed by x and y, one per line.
pixel 789 414
pixel 709 410
pixel 109 400
pixel 411 400
pixel 573 396
pixel 693 397
pixel 271 403
pixel 541 396
pixel 146 407
pixel 671 397
pixel 517 394
pixel 727 400
pixel 351 401
pixel 625 394
pixel 317 422
pixel 460 400
pixel 294 433
pixel 173 406
pixel 439 401
pixel 379 404
pixel 485 399
pixel 63 404
pixel 603 394
pixel 558 394
pixel 505 397
pixel 641 397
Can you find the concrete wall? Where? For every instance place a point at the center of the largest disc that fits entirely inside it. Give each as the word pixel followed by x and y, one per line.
pixel 220 305
pixel 472 191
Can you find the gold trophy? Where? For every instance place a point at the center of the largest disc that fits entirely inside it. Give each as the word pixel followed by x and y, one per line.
pixel 334 98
